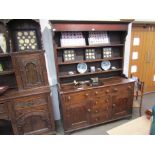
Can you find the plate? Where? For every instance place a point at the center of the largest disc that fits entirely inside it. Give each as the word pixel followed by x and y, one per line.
pixel 105 65
pixel 82 68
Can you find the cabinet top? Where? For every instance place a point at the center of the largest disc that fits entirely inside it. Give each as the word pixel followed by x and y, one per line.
pixel 68 88
pixel 89 25
pixel 14 93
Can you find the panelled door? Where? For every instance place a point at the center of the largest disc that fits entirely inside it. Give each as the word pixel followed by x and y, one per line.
pixel 142 56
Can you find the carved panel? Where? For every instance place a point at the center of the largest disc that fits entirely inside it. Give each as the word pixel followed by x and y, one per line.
pixel 30 70
pixel 32 122
pixel 30 103
pixel 31 73
pixel 33 114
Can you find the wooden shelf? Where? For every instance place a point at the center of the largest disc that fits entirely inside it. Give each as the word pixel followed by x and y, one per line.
pixel 89 61
pixel 89 73
pixel 4 55
pixel 91 46
pixel 6 72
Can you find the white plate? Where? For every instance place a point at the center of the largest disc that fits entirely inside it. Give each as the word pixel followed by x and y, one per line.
pixel 105 65
pixel 82 68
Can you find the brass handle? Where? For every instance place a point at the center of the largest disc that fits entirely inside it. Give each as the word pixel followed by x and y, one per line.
pixel 107 91
pixel 96 92
pixel 88 110
pixel 114 105
pixel 69 97
pixel 148 57
pixel 86 95
pixel 107 100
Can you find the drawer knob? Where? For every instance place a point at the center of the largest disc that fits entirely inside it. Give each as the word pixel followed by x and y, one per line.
pixel 69 97
pixel 96 102
pixel 107 91
pixel 88 110
pixel 96 111
pixel 129 87
pixel 96 92
pixel 96 119
pixel 114 105
pixel 107 100
pixel 86 95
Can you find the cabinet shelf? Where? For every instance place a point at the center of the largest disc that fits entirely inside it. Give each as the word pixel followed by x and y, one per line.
pixel 90 46
pixel 89 61
pixel 89 73
pixel 7 72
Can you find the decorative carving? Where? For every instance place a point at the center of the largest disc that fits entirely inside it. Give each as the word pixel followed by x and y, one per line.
pixel 31 73
pixel 29 122
pixel 34 102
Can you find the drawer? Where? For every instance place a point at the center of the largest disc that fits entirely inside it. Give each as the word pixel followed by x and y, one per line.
pixel 106 91
pixel 30 102
pixel 101 109
pixel 77 97
pixel 98 118
pixel 123 89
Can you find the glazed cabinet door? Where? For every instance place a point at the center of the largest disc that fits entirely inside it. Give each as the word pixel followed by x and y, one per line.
pixel 32 115
pixel 122 100
pixel 30 70
pixel 76 109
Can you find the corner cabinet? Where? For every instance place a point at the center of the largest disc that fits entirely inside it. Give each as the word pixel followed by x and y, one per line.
pixel 89 60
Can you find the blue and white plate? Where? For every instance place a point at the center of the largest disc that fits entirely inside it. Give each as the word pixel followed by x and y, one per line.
pixel 105 65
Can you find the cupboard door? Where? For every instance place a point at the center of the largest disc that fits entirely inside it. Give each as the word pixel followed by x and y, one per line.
pixel 30 70
pixel 32 115
pixel 122 100
pixel 76 109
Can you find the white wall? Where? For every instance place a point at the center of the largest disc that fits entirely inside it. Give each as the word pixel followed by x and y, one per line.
pixel 127 51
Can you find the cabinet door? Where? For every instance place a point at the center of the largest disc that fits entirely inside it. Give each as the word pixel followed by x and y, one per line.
pixel 30 70
pixel 32 115
pixel 100 105
pixel 122 100
pixel 76 109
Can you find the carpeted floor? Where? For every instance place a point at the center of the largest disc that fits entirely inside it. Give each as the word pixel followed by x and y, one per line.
pixel 148 102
